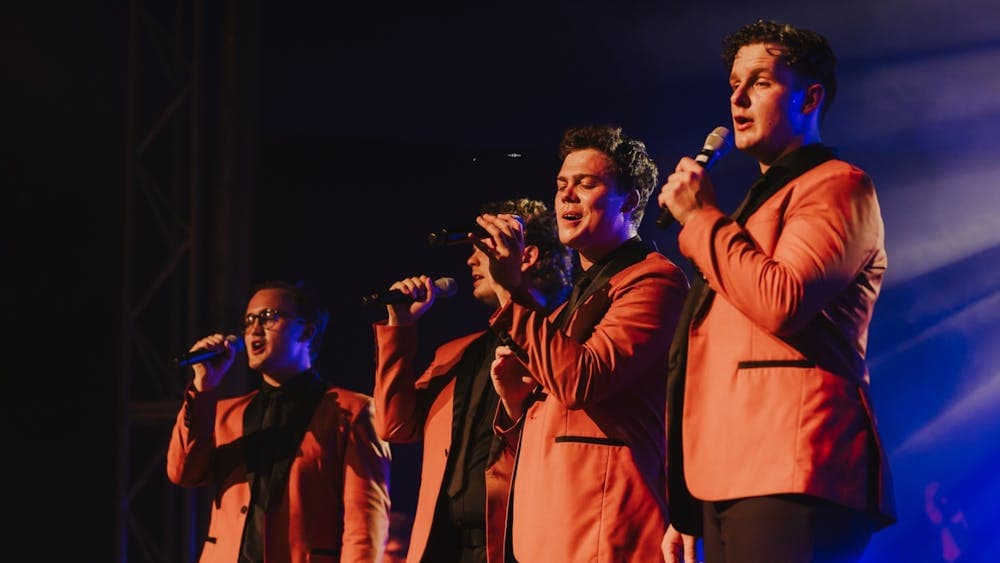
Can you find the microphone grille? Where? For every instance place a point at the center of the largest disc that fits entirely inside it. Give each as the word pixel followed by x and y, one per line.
pixel 448 286
pixel 718 140
pixel 235 342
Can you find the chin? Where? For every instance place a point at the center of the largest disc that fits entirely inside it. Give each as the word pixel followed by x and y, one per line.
pixel 743 141
pixel 484 295
pixel 566 237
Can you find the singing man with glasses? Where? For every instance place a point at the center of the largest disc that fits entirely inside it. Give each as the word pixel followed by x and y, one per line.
pixel 300 474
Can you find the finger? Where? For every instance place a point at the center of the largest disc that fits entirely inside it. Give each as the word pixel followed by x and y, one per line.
pixel 427 286
pixel 488 222
pixel 485 246
pixel 512 224
pixel 210 342
pixel 405 285
pixel 501 228
pixel 501 351
pixel 689 550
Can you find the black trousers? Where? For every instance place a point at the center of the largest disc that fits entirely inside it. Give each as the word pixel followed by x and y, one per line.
pixel 784 529
pixel 451 544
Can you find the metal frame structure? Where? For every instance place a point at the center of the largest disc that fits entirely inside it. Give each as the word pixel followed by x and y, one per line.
pixel 185 258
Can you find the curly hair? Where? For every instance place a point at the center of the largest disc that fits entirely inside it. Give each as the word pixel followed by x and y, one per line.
pixel 552 273
pixel 633 168
pixel 807 53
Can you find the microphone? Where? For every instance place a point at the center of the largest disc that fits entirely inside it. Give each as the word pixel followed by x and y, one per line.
pixel 200 355
pixel 447 286
pixel 716 145
pixel 449 237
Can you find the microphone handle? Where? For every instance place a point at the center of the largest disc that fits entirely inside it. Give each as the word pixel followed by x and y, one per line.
pixel 389 298
pixel 196 357
pixel 446 286
pixel 201 355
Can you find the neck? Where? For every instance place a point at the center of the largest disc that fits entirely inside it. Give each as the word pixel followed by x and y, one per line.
pixel 526 295
pixel 806 138
pixel 279 379
pixel 595 254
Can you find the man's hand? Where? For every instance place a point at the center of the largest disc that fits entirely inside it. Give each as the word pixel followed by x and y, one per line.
pixel 512 381
pixel 208 374
pixel 504 248
pixel 688 189
pixel 423 291
pixel 678 547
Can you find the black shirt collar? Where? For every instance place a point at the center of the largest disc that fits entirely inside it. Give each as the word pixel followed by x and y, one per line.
pixel 797 162
pixel 590 273
pixel 297 385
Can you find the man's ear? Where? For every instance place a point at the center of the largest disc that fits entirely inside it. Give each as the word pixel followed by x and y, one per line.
pixel 631 201
pixel 529 257
pixel 812 98
pixel 308 333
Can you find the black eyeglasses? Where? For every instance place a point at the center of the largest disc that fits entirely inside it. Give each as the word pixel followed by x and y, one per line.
pixel 268 318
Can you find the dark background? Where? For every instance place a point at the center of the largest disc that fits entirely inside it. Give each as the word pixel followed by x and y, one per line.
pixel 325 140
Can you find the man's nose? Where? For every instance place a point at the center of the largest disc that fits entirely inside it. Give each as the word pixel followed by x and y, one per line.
pixel 739 97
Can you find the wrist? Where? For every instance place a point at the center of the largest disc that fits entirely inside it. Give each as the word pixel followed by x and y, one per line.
pixel 513 409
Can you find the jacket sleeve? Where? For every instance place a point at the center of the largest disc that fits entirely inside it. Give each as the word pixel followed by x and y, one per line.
pixel 402 399
pixel 192 446
pixel 643 304
pixel 830 228
pixel 366 491
pixel 400 408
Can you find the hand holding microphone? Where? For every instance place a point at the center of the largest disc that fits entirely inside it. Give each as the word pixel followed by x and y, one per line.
pixel 687 187
pixel 409 298
pixel 411 289
pixel 505 249
pixel 452 237
pixel 211 357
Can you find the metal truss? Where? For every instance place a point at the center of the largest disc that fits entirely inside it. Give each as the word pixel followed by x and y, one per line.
pixel 184 257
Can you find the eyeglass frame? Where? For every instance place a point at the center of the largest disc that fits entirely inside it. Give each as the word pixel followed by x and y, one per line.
pixel 267 318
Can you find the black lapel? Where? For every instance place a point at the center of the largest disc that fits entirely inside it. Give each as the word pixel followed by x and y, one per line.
pixel 634 250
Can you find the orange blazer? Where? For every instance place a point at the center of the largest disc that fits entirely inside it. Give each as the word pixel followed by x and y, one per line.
pixel 590 480
pixel 336 506
pixel 777 391
pixel 412 409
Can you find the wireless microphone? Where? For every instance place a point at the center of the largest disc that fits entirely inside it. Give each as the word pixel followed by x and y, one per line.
pixel 202 355
pixel 716 145
pixel 450 237
pixel 447 286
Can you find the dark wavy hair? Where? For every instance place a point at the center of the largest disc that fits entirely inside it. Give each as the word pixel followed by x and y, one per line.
pixel 307 307
pixel 807 53
pixel 633 167
pixel 552 274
